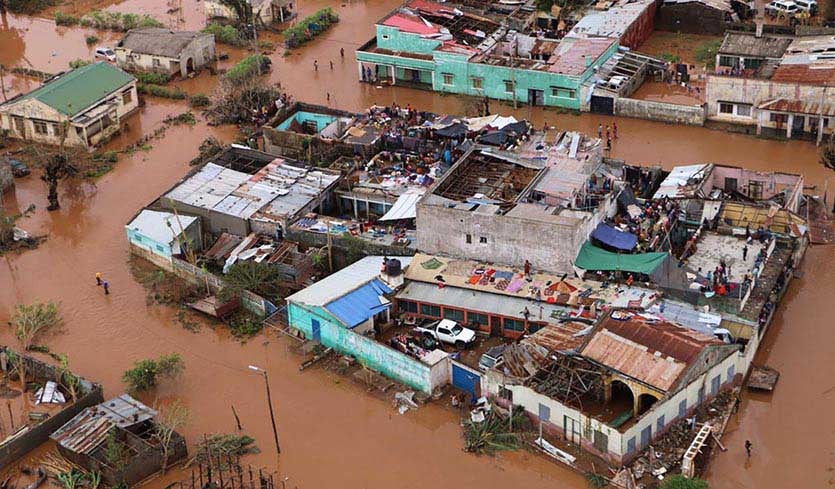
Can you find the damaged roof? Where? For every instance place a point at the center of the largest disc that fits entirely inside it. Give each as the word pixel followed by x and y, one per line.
pixel 159 41
pixel 749 45
pixel 654 352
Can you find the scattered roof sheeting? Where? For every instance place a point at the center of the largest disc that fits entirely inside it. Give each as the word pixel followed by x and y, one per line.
pixel 89 428
pixel 677 182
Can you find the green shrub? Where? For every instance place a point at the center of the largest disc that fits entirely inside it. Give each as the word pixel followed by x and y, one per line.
pixel 672 58
pixel 310 27
pixel 78 63
pixel 91 40
pixel 117 21
pixel 706 52
pixel 247 68
pixel 28 6
pixel 678 481
pixel 145 373
pixel 244 324
pixel 152 78
pixel 65 19
pixel 159 91
pixel 199 100
pixel 225 34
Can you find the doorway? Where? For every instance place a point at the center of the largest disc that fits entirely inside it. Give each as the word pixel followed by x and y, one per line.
pixel 536 97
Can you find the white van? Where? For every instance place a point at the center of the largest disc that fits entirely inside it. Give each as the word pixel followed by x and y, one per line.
pixel 810 6
pixel 105 53
pixel 787 8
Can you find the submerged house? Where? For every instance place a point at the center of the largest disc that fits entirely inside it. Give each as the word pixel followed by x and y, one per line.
pixel 88 440
pixel 165 51
pixel 92 100
pixel 445 49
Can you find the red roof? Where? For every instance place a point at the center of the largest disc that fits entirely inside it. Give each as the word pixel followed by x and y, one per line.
pixel 810 74
pixel 652 351
pixel 413 24
pixel 798 106
pixel 572 60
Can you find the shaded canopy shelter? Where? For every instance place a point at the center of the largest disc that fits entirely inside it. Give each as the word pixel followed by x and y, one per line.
pixel 614 238
pixel 593 258
pixel 457 130
pixel 659 266
pixel 494 138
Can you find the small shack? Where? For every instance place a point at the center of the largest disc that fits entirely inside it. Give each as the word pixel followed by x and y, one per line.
pixel 157 236
pixel 119 439
pixel 165 51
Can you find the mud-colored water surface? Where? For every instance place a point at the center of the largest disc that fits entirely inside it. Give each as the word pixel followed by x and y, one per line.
pixel 332 432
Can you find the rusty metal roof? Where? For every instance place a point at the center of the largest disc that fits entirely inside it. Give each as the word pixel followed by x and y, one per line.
pixel 653 351
pixel 812 74
pixel 89 428
pixel 798 106
pixel 559 337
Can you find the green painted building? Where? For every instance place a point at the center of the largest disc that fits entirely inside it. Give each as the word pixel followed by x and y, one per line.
pixel 434 46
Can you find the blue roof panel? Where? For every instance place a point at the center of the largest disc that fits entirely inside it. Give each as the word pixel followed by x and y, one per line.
pixel 357 306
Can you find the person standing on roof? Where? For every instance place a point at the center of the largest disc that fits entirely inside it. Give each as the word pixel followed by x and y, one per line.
pixel 527 269
pixel 600 131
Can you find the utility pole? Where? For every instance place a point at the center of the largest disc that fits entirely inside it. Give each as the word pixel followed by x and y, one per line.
pixel 3 82
pixel 270 403
pixel 330 244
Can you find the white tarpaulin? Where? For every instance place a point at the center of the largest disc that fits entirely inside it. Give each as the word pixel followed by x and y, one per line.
pixel 500 121
pixel 404 208
pixel 478 123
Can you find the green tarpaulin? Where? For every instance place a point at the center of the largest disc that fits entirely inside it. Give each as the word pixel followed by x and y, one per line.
pixel 593 258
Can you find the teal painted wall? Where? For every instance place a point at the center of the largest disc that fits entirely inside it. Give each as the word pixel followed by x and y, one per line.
pixel 321 120
pixel 392 39
pixel 369 352
pixel 556 87
pixel 149 244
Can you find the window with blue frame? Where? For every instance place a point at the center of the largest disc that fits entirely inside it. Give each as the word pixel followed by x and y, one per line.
pixel 454 314
pixel 513 324
pixel 430 310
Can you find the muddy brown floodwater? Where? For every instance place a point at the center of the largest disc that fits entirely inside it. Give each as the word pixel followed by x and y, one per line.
pixel 332 432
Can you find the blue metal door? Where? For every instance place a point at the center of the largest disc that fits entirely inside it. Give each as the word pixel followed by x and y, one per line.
pixel 466 380
pixel 317 330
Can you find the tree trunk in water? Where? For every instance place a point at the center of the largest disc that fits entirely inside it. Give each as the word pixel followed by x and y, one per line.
pixel 52 197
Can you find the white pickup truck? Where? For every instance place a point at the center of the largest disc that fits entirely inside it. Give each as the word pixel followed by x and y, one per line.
pixel 448 331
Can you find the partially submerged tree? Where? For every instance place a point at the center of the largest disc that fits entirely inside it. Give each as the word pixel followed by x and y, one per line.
pixel 146 373
pixel 243 92
pixel 242 10
pixel 169 420
pixel 259 278
pixel 68 380
pixel 827 154
pixel 33 320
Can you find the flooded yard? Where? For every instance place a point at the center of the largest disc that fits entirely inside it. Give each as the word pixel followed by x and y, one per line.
pixel 331 432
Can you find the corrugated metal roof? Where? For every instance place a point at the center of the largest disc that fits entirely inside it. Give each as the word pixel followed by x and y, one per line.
pixel 162 227
pixel 813 74
pixel 89 428
pixel 560 336
pixel 483 302
pixel 798 106
pixel 654 352
pixel 613 22
pixel 405 207
pixel 344 281
pixel 571 55
pixel 678 183
pixel 207 187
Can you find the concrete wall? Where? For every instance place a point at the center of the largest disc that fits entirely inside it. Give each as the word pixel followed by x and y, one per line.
pixel 773 183
pixel 548 246
pixel 392 39
pixel 692 18
pixel 369 352
pixel 754 92
pixel 693 115
pixel 37 435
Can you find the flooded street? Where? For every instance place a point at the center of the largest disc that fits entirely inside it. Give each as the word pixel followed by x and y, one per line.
pixel 325 420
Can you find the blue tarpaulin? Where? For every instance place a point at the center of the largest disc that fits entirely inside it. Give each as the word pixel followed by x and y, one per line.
pixel 360 304
pixel 615 238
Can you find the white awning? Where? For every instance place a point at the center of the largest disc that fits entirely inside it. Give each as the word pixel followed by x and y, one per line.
pixel 404 208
